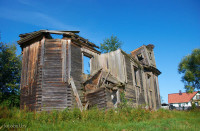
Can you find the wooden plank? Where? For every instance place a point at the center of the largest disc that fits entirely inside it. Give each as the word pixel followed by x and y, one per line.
pixel 69 58
pixel 154 95
pixel 42 52
pixel 86 105
pixel 64 70
pixel 98 83
pixel 71 81
pixel 22 72
pixel 106 77
pixel 118 97
pixel 148 91
pixel 158 90
pixel 144 87
pixel 42 63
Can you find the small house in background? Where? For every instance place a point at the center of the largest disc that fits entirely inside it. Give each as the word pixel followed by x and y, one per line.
pixel 53 74
pixel 183 101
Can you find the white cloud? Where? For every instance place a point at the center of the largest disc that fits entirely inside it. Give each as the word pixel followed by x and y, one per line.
pixel 34 18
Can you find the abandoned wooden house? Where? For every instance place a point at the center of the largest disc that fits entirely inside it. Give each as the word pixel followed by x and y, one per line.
pixel 53 77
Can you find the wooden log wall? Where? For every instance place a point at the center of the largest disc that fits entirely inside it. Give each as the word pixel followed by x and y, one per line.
pixel 146 91
pixel 29 76
pixel 148 85
pixel 48 64
pixel 158 92
pixel 141 100
pixel 130 89
pixel 39 75
pixel 97 98
pixel 56 93
pixel 152 91
pixel 151 57
pixel 143 52
pixel 76 68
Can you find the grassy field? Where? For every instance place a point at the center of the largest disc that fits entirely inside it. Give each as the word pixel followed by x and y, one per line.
pixel 123 119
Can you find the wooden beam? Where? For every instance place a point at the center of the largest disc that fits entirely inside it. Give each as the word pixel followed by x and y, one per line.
pixel 106 77
pixel 86 106
pixel 118 97
pixel 64 72
pixel 69 58
pixel 80 106
pixel 99 80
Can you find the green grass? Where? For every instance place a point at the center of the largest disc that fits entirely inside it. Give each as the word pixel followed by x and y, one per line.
pixel 121 119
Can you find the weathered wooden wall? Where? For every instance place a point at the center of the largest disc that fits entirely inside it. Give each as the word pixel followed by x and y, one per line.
pixel 143 52
pixel 56 94
pixel 152 91
pixel 29 75
pixel 113 62
pixel 76 69
pixel 98 98
pixel 48 64
pixel 142 90
pixel 130 89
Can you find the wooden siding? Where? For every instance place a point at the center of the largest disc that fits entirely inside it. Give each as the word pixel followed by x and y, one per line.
pixel 76 69
pixel 97 98
pixel 141 100
pixel 29 76
pixel 56 94
pixel 128 71
pixel 113 62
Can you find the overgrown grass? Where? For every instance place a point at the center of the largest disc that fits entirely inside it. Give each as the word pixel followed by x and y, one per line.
pixel 120 119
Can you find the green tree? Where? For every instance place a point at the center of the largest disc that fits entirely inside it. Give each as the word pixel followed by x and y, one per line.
pixel 190 68
pixel 10 70
pixel 110 44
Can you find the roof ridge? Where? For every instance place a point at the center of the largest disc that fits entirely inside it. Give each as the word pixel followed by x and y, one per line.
pixel 184 92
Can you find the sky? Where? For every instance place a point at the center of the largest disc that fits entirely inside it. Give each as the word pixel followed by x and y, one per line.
pixel 173 26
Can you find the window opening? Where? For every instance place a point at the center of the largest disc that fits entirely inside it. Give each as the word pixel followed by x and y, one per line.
pixel 135 73
pixel 56 36
pixel 150 56
pixel 140 57
pixel 86 64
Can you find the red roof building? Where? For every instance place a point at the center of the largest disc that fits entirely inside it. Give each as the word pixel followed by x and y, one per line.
pixel 181 97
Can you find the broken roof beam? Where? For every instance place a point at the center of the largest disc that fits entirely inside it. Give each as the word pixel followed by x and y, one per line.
pixel 80 42
pixel 27 36
pixel 86 41
pixel 78 100
pixel 48 31
pixel 59 32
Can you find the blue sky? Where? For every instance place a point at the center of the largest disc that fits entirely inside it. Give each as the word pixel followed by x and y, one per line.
pixel 173 26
